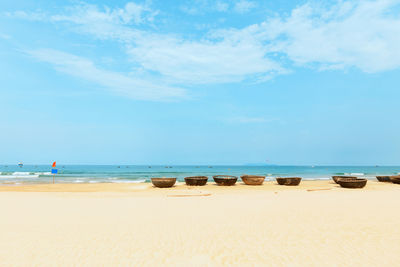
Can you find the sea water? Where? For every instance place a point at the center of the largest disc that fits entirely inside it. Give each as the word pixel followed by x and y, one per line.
pixel 12 174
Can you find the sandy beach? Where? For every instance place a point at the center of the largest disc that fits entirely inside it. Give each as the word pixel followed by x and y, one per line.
pixel 138 225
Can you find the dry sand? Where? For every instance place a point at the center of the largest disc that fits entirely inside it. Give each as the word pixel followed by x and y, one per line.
pixel 138 225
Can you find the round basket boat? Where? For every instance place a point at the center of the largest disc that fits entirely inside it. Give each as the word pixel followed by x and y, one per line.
pixel 288 180
pixel 163 182
pixel 336 178
pixel 226 180
pixel 352 183
pixel 395 179
pixel 196 180
pixel 252 179
pixel 383 179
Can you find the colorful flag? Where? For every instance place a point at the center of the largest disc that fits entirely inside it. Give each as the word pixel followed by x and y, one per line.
pixel 54 164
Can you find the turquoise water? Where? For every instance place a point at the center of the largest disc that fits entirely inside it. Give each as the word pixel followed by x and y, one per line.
pixel 12 174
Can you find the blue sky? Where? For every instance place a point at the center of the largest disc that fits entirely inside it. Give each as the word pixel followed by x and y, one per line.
pixel 200 82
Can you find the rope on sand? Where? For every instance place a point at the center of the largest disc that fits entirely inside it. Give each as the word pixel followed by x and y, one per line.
pixel 318 189
pixel 190 194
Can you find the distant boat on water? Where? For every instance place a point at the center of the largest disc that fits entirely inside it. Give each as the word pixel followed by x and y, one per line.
pixel 20 164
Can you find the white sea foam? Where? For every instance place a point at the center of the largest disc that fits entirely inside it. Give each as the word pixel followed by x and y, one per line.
pixel 354 173
pixel 19 175
pixel 43 173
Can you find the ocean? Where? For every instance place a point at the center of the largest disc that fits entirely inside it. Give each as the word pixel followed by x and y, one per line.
pixel 12 174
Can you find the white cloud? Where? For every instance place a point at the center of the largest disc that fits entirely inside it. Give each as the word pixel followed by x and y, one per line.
pixel 244 6
pixel 118 83
pixel 361 34
pixel 107 23
pixel 32 16
pixel 203 62
pixel 132 13
pixel 213 59
pixel 201 7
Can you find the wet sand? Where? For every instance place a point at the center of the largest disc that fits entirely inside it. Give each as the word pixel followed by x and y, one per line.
pixel 138 225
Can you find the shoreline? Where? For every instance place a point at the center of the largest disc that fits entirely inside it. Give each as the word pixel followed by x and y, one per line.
pixel 148 187
pixel 129 174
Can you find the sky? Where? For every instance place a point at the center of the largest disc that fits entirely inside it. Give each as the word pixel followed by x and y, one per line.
pixel 200 82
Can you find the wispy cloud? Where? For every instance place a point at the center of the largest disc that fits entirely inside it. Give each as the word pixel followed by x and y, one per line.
pixel 117 83
pixel 203 62
pixel 131 13
pixel 32 16
pixel 213 59
pixel 200 7
pixel 360 34
pixel 244 6
pixel 107 23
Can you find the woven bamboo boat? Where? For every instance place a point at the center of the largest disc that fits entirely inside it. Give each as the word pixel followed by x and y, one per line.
pixel 288 180
pixel 196 180
pixel 352 183
pixel 395 179
pixel 163 182
pixel 225 180
pixel 384 179
pixel 253 179
pixel 336 178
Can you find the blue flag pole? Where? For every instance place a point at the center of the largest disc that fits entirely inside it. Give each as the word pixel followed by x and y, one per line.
pixel 54 171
